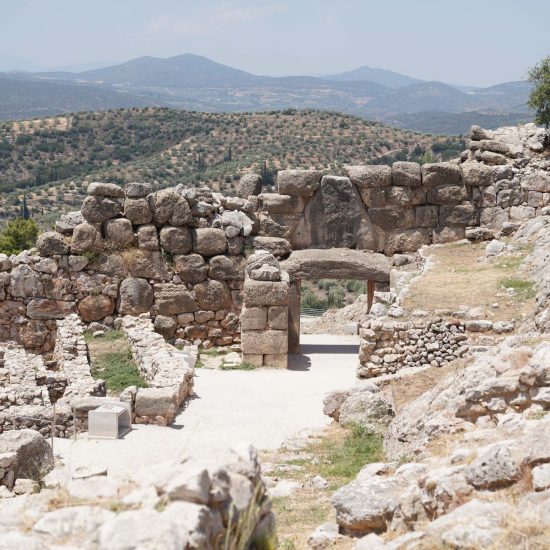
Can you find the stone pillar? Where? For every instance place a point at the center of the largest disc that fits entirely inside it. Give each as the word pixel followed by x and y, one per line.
pixel 294 317
pixel 264 316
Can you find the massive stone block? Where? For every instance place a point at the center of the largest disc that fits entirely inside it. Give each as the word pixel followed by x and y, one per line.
pixel 172 299
pixel 147 237
pixel 282 204
pixel 406 174
pixel 100 209
pixel 135 296
pixel 213 295
pixel 253 318
pixel 169 206
pixel 191 268
pixel 96 307
pixel 335 218
pixel 392 217
pixel 265 293
pixel 99 189
pixel 250 184
pixel 301 183
pixel 265 342
pixel 145 264
pixel 49 309
pixel 476 174
pixel 447 194
pixel 408 240
pixel 370 176
pixel 441 173
pixel 119 232
pixel 51 243
pixel 462 214
pixel 86 238
pixel 426 216
pixel 405 196
pixel 176 240
pixel 209 241
pixel 138 211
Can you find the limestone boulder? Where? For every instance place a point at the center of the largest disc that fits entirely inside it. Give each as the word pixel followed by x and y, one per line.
pixel 447 194
pixel 209 241
pixel 98 189
pixel 169 206
pixel 370 176
pixel 426 216
pixel 176 240
pixel 335 217
pixel 146 264
pixel 97 209
pixel 264 293
pixel 191 268
pixel 156 402
pixel 213 295
pixel 476 174
pixel 495 468
pixel 86 238
pixel 302 183
pixel 249 184
pixel 96 307
pixel 137 211
pixel 266 342
pixel 440 173
pixel 406 174
pixel 406 240
pixel 137 190
pixel 165 326
pixel 337 264
pixel 119 233
pixel 372 410
pixel 40 308
pixel 147 237
pixel 27 453
pixel 461 214
pixel 172 299
pixel 135 296
pixel 51 243
pixel 226 267
pixel 392 217
pixel 25 282
pixel 275 245
pixel 275 203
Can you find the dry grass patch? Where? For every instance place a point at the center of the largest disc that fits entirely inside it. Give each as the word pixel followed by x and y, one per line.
pixel 337 455
pixel 458 278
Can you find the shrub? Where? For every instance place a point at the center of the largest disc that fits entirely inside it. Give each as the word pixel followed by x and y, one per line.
pixel 18 235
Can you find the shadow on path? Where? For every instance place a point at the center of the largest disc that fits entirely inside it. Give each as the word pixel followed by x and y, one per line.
pixel 345 349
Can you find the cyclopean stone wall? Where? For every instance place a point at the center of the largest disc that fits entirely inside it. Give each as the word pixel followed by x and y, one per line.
pixel 179 254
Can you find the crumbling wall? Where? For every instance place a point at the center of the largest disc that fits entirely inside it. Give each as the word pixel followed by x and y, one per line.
pixel 179 254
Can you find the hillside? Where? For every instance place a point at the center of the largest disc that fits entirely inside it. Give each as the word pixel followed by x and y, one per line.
pixel 193 82
pixel 50 159
pixel 21 97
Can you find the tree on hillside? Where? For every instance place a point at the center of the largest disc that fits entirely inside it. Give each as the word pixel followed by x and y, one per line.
pixel 18 235
pixel 539 98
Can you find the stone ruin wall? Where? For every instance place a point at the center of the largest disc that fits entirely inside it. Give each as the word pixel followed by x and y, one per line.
pixel 179 254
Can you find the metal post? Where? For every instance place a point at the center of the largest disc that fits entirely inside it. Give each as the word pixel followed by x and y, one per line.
pixel 74 423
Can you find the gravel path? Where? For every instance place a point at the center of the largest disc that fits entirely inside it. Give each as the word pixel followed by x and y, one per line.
pixel 263 407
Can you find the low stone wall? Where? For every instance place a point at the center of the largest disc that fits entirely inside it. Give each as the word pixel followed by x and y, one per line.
pixel 387 346
pixel 265 314
pixel 168 371
pixel 71 356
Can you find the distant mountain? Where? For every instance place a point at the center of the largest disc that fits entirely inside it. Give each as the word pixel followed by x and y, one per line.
pixel 196 83
pixel 23 98
pixel 390 79
pixel 181 71
pixel 81 67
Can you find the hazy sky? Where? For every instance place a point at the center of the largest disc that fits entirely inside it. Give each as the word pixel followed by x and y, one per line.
pixel 478 42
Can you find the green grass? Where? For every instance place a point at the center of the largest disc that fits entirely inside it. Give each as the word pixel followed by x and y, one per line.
pixel 524 289
pixel 118 370
pixel 358 449
pixel 212 352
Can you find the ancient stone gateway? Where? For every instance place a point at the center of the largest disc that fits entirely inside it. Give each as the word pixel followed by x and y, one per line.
pixel 270 318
